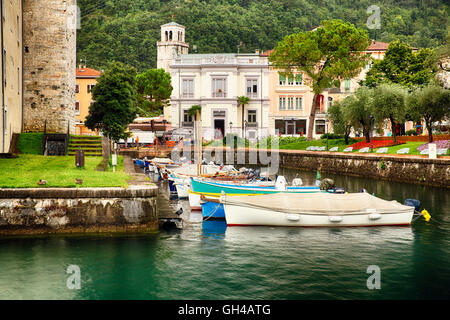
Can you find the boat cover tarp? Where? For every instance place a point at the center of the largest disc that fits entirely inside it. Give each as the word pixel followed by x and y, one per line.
pixel 319 203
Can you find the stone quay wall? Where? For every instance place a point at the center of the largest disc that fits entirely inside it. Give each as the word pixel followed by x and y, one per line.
pixel 78 210
pixel 49 65
pixel 409 169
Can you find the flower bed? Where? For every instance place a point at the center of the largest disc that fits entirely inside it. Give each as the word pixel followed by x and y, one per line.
pixel 376 144
pixel 440 144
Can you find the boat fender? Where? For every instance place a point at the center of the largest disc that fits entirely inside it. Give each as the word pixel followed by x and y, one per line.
pixel 426 215
pixel 335 218
pixel 293 217
pixel 374 216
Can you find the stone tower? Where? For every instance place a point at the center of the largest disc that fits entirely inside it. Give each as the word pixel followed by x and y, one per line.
pixel 172 42
pixel 49 64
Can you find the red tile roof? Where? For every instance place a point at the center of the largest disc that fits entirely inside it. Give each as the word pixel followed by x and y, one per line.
pixel 266 53
pixel 88 73
pixel 378 46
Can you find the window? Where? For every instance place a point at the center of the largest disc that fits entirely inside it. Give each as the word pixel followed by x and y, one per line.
pixel 320 126
pixel 330 102
pixel 219 87
pixel 251 118
pixel 298 103
pixel 282 79
pixel 188 88
pixel 282 103
pixel 77 88
pixel 187 119
pixel 347 84
pixel 77 108
pixel 90 87
pixel 290 103
pixel 291 80
pixel 298 79
pixel 252 88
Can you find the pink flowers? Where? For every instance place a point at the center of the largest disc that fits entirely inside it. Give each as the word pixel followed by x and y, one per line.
pixel 440 144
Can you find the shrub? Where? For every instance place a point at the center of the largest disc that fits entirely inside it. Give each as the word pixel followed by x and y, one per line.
pixel 332 136
pixel 411 132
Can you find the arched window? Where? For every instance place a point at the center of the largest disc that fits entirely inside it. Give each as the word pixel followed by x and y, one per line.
pixel 167 36
pixel 170 35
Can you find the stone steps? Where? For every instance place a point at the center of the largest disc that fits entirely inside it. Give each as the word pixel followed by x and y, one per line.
pixel 91 145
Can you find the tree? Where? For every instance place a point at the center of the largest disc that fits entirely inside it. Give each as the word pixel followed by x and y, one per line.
pixel 389 102
pixel 114 98
pixel 358 110
pixel 431 103
pixel 340 122
pixel 153 92
pixel 403 66
pixel 242 101
pixel 327 55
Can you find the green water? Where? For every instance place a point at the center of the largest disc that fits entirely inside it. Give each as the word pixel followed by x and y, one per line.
pixel 244 262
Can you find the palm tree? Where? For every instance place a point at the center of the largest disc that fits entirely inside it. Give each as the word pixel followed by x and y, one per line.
pixel 242 101
pixel 195 111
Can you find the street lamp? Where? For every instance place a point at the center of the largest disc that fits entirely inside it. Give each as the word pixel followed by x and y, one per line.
pixel 231 126
pixel 372 119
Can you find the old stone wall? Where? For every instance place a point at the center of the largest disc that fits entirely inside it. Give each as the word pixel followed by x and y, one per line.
pixel 49 64
pixel 78 210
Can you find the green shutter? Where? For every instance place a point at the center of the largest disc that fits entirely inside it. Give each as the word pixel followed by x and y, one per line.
pixel 291 79
pixel 298 78
pixel 282 77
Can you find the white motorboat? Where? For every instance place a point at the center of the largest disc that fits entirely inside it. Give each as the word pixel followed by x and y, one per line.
pixel 314 210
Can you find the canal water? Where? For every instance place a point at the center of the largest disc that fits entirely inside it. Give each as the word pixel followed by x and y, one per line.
pixel 210 261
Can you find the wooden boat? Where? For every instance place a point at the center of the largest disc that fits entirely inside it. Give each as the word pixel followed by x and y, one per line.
pixel 212 189
pixel 314 210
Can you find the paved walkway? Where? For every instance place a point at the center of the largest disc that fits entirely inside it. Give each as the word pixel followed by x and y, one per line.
pixel 136 173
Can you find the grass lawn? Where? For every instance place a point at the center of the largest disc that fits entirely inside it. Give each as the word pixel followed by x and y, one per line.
pixel 59 171
pixel 30 142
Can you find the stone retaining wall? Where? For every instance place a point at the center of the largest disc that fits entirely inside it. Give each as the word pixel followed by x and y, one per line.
pixel 78 210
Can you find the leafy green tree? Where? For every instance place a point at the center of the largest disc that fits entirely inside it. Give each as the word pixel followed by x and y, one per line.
pixel 340 122
pixel 403 66
pixel 242 101
pixel 153 92
pixel 114 106
pixel 358 110
pixel 389 102
pixel 430 103
pixel 327 55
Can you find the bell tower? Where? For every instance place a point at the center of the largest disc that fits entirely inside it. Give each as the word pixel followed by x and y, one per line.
pixel 172 43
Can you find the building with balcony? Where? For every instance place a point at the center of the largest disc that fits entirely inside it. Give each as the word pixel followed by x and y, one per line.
pixel 215 81
pixel 291 98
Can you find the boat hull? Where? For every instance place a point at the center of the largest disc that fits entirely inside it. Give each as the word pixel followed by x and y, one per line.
pixel 194 201
pixel 249 216
pixel 215 188
pixel 182 190
pixel 212 211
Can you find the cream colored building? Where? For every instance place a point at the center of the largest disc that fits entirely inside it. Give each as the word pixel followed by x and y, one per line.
pixel 11 115
pixel 291 98
pixel 215 81
pixel 86 80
